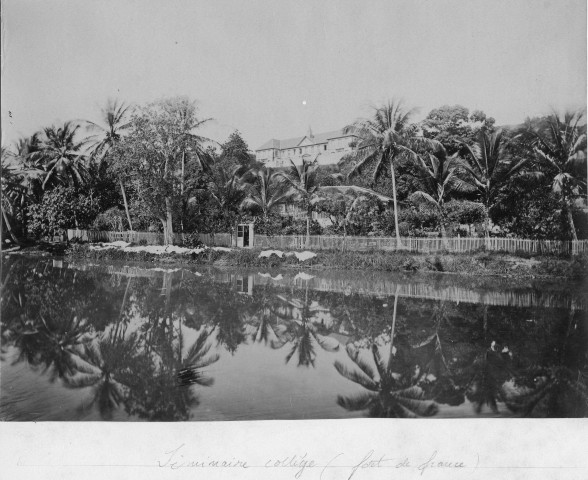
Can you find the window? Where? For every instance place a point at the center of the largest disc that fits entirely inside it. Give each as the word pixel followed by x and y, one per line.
pixel 324 147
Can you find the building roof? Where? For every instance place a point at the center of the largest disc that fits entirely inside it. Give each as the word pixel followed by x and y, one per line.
pixel 273 143
pixel 316 139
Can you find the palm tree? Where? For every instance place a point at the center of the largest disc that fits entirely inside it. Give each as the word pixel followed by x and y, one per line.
pixel 192 148
pixel 264 330
pixel 383 140
pixel 436 369
pixel 115 121
pixel 12 191
pixel 30 165
pixel 557 391
pixel 559 145
pixel 61 154
pixel 190 369
pixel 393 389
pixel 22 178
pixel 303 334
pixel 303 178
pixel 227 189
pixel 439 177
pixel 390 394
pixel 111 358
pixel 57 344
pixel 266 191
pixel 489 168
pixel 558 387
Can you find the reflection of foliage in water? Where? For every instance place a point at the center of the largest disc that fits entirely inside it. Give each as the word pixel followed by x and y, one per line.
pixel 113 359
pixel 123 339
pixel 302 334
pixel 393 392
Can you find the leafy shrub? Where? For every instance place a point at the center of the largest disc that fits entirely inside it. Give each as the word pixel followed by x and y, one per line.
pixel 60 209
pixel 298 227
pixel 412 221
pixel 192 240
pixel 112 219
pixel 273 225
pixel 464 212
pixel 579 266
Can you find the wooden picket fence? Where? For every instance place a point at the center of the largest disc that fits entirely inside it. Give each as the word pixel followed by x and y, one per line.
pixel 150 238
pixel 340 243
pixel 422 245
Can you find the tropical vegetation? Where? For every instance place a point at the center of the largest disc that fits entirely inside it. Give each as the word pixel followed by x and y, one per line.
pixel 150 168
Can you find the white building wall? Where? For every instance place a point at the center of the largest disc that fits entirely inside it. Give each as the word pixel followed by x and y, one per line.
pixel 326 154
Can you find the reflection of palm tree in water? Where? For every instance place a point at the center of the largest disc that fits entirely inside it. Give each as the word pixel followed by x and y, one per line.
pixel 303 334
pixel 264 332
pixel 190 369
pixel 56 343
pixel 393 389
pixel 161 388
pixel 113 359
pixel 110 358
pixel 559 389
pixel 159 392
pixel 487 373
pixel 554 392
pixel 435 368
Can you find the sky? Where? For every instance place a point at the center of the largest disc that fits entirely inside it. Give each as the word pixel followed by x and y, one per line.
pixel 273 68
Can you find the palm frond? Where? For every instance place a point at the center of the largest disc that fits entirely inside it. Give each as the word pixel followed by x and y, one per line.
pixel 356 377
pixel 357 402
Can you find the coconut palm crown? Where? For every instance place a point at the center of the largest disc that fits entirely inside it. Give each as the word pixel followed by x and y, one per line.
pixel 383 140
pixel 559 144
pixel 489 167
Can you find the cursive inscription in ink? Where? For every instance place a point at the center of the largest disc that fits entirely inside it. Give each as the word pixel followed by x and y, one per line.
pixel 350 466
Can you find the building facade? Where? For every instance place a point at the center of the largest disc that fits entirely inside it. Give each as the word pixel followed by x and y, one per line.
pixel 328 148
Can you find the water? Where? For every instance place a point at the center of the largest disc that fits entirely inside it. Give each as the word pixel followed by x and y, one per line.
pixel 116 342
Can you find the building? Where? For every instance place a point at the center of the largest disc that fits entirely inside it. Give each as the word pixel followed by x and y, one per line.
pixel 328 148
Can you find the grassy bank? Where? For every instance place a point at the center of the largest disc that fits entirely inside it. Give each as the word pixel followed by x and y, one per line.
pixel 483 263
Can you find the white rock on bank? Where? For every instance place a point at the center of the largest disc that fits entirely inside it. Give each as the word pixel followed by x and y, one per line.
pixel 267 275
pixel 303 276
pixel 302 256
pixel 269 253
pixel 154 249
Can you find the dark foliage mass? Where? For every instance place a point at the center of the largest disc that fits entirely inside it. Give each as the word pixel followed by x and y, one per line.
pixel 147 168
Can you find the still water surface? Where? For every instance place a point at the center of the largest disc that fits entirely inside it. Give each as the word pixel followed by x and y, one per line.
pixel 117 342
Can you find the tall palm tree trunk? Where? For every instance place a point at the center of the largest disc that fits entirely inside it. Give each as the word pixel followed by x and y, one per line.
pixel 570 219
pixel 398 245
pixel 443 228
pixel 168 230
pixel 9 227
pixel 392 331
pixel 308 215
pixel 124 195
pixel 182 191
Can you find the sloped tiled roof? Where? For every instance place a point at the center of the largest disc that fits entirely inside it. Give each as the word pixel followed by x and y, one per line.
pixel 290 142
pixel 273 143
pixel 318 138
pixel 324 137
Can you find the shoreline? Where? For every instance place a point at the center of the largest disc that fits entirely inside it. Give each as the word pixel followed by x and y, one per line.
pixel 488 264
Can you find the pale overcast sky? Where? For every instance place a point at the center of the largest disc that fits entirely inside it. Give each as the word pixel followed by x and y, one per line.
pixel 252 64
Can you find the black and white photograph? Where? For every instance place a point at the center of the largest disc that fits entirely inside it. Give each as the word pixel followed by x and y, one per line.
pixel 248 218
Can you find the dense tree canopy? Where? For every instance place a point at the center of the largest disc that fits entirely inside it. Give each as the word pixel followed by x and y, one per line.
pixel 149 165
